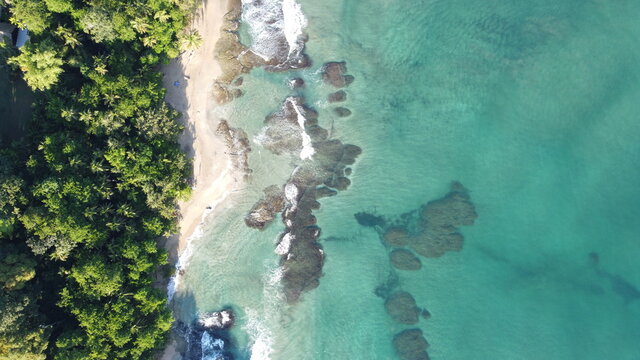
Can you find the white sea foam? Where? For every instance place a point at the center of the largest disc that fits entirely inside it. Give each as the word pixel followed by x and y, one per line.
pixel 261 340
pixel 291 193
pixel 285 244
pixel 307 148
pixel 276 27
pixel 294 24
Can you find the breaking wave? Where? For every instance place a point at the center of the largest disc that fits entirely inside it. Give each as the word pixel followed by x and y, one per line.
pixel 276 28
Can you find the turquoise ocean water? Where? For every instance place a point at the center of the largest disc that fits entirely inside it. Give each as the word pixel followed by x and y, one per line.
pixel 534 106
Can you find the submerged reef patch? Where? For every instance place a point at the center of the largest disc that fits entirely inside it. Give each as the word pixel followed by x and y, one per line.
pixel 439 221
pixel 403 259
pixel 411 345
pixel 401 306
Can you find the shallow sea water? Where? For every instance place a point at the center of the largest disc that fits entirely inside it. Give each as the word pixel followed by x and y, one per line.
pixel 532 106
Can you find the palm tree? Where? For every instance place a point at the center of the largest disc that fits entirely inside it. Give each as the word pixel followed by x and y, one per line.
pixel 140 25
pixel 161 16
pixel 69 37
pixel 190 40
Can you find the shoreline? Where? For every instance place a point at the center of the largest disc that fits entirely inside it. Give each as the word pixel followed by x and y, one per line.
pixel 189 81
pixel 195 73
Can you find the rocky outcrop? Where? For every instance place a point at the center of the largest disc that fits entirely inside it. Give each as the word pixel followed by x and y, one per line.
pixel 401 306
pixel 411 345
pixel 208 337
pixel 223 319
pixel 302 257
pixel 403 259
pixel 334 73
pixel 296 83
pixel 238 146
pixel 265 210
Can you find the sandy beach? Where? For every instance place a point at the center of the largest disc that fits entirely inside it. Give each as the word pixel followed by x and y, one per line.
pixel 188 80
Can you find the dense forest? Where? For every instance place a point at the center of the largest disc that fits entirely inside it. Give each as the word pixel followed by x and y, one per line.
pixel 85 195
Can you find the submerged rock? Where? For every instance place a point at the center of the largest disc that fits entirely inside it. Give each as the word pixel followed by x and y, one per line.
pixel 439 220
pixel 411 345
pixel 338 96
pixel 396 236
pixel 401 306
pixel 391 283
pixel 404 260
pixel 342 111
pixel 370 220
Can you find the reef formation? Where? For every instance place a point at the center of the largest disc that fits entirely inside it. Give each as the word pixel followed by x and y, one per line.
pixel 323 171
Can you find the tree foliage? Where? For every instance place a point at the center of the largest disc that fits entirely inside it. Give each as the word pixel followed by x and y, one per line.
pixel 87 193
pixel 40 63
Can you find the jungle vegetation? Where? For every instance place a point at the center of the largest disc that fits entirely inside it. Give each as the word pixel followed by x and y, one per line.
pixel 93 185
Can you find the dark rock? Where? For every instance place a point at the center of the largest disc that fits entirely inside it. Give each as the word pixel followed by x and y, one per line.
pixel 411 345
pixel 401 306
pixel 337 96
pixel 296 83
pixel 342 111
pixel 263 212
pixel 370 220
pixel 403 259
pixel 348 79
pixel 333 73
pixel 348 171
pixel 396 236
pixel 238 81
pixel 223 319
pixel 324 191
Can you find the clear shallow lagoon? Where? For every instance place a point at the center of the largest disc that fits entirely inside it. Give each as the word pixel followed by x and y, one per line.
pixel 532 106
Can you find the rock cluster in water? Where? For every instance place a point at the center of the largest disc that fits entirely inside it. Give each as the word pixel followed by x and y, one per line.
pixel 238 146
pixel 334 74
pixel 208 337
pixel 430 231
pixel 321 175
pixel 236 58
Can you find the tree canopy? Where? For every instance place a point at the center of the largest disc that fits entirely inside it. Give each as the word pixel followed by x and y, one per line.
pixel 85 195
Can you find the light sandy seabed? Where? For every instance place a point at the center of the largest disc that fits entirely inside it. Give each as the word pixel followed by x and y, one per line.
pixel 214 177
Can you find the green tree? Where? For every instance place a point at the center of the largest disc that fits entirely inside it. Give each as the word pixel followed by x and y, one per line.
pixel 30 14
pixel 99 24
pixel 40 64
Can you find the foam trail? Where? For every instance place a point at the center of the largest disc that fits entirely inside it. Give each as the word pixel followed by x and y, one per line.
pixel 307 148
pixel 294 24
pixel 187 252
